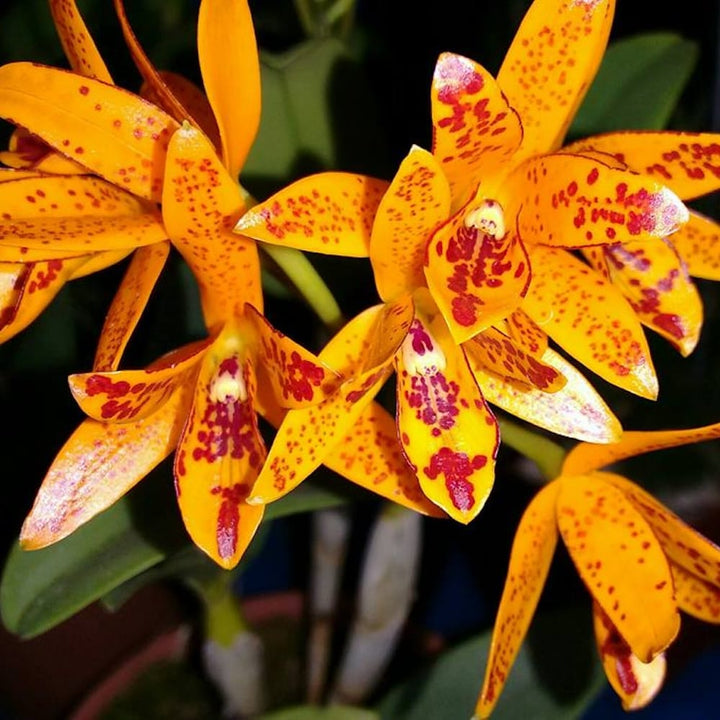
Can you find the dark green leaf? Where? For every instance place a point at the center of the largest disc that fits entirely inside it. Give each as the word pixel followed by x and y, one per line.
pixel 312 712
pixel 555 677
pixel 639 84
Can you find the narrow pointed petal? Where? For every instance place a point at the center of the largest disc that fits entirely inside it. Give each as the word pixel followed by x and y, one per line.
pixel 576 410
pixel 201 203
pixel 417 201
pixel 99 261
pixel 654 279
pixel 550 65
pixel 584 458
pixel 497 354
pixel 114 133
pixel 329 213
pixel 695 596
pixel 192 99
pixel 526 334
pixel 297 377
pixel 30 152
pixel 683 545
pixel 371 456
pixel 590 319
pixel 231 74
pixel 448 433
pixel 128 305
pixel 530 558
pixel 126 396
pixel 620 561
pixel 475 131
pixel 573 201
pixel 98 465
pixel 698 244
pixel 635 682
pixel 362 351
pixel 219 456
pixel 688 163
pixel 79 47
pixel 477 278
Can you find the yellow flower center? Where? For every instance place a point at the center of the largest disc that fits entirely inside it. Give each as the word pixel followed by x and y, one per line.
pixel 488 218
pixel 421 353
pixel 228 384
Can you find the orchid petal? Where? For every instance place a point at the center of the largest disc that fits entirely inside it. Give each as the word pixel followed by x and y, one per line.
pixel 80 50
pixel 477 278
pixel 372 457
pixel 230 70
pixel 98 465
pixel 116 134
pixel 219 456
pixel 475 131
pixel 417 201
pixel 126 396
pixel 30 152
pixel 296 376
pixel 496 353
pixel 128 304
pixel 330 213
pixel 550 65
pixel 201 203
pixel 698 244
pixel 363 351
pixel 590 319
pixel 635 682
pixel 573 201
pixel 688 163
pixel 99 261
pixel 526 334
pixel 683 545
pixel 575 411
pixel 695 596
pixel 448 433
pixel 620 561
pixel 11 174
pixel 584 458
pixel 27 289
pixel 654 279
pixel 530 558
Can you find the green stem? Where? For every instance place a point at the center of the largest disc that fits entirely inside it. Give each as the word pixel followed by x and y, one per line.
pixel 546 454
pixel 308 282
pixel 224 620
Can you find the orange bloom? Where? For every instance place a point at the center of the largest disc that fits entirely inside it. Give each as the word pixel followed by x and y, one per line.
pixel 639 561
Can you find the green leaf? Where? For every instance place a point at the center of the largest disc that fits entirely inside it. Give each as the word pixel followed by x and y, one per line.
pixel 312 712
pixel 41 588
pixel 639 84
pixel 555 676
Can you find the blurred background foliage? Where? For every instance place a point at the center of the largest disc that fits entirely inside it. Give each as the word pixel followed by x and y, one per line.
pixel 356 98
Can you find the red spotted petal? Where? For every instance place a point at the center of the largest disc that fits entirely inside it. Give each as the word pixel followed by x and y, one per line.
pixel 297 377
pixel 329 213
pixel 589 317
pixel 371 456
pixel 449 435
pixel 532 552
pixel 576 410
pixel 696 596
pixel 112 132
pixel 128 305
pixel 550 65
pixel 30 152
pixel 220 454
pixel 698 244
pixel 80 50
pixel 417 201
pixel 574 201
pixel 526 334
pixel 655 280
pixel 620 560
pixel 688 163
pixel 475 131
pixel 201 203
pixel 476 277
pixel 98 465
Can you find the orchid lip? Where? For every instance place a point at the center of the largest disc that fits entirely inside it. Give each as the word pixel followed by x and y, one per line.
pixel 427 361
pixel 488 218
pixel 228 387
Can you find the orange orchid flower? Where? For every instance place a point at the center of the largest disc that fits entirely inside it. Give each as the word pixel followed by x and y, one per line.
pixel 444 426
pixel 640 562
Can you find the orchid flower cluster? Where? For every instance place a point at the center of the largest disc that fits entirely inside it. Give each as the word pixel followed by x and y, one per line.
pixel 491 251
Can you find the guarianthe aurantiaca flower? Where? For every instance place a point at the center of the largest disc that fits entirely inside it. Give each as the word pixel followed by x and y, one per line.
pixel 446 430
pixel 640 562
